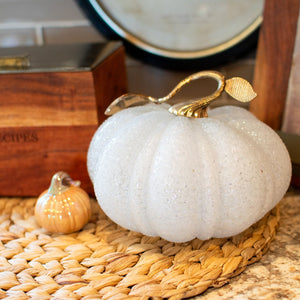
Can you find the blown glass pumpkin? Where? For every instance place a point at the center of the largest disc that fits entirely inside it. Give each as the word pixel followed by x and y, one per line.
pixel 181 178
pixel 64 207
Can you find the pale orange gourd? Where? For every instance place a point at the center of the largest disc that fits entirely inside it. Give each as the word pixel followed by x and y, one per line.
pixel 64 207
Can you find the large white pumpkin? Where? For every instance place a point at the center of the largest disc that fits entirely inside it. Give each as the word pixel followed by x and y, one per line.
pixel 181 178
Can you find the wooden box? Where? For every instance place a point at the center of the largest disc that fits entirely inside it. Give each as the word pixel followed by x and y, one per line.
pixel 52 99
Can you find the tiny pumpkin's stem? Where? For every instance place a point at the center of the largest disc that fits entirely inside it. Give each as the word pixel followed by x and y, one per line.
pixel 60 183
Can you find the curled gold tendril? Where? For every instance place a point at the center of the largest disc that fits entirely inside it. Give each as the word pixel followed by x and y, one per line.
pixel 238 88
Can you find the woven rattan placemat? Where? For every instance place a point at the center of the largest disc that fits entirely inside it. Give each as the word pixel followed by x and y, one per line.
pixel 104 261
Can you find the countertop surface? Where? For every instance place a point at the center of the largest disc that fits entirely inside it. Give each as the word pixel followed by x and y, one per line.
pixel 31 258
pixel 277 274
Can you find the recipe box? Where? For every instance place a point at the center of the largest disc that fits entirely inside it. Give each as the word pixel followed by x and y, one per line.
pixel 52 99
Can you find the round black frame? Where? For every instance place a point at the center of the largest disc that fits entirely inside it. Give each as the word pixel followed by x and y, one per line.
pixel 237 50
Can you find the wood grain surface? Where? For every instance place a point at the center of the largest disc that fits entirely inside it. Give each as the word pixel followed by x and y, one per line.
pixel 47 121
pixel 110 81
pixel 274 60
pixel 40 99
pixel 30 156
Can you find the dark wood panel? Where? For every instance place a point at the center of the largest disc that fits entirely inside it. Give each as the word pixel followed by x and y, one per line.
pixel 39 99
pixel 30 156
pixel 110 81
pixel 274 60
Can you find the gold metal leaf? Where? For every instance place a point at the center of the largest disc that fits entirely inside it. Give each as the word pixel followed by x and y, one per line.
pixel 240 89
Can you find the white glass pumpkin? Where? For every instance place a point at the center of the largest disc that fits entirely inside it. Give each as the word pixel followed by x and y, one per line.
pixel 181 178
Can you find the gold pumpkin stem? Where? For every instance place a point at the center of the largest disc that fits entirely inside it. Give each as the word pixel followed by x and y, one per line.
pixel 60 183
pixel 198 108
pixel 237 87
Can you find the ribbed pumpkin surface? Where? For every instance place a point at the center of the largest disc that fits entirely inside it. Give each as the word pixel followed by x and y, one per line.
pixel 181 178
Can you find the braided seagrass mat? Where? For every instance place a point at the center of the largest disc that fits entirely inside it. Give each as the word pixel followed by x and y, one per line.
pixel 105 261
